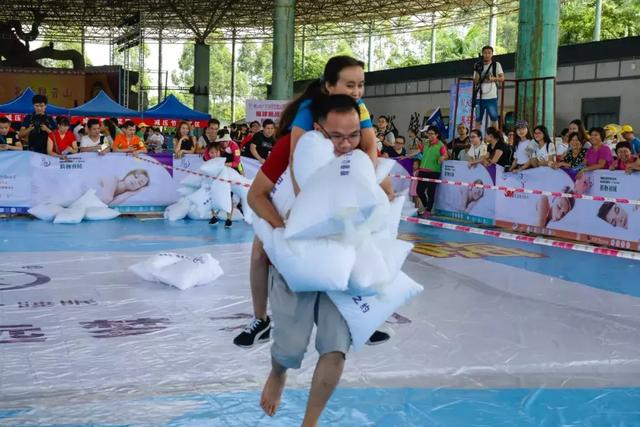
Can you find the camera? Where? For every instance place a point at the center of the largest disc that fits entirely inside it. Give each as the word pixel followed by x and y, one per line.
pixel 478 66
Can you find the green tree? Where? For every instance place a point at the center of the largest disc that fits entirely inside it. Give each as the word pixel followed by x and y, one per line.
pixel 577 20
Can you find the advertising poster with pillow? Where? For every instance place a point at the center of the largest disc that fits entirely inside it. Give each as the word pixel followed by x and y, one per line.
pixel 607 223
pixel 15 182
pixel 119 180
pixel 190 162
pixel 534 213
pixel 468 203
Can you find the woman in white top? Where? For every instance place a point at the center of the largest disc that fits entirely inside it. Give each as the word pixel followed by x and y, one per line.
pixel 478 148
pixel 546 149
pixel 524 147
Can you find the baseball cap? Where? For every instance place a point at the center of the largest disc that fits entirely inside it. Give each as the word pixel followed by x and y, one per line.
pixel 142 125
pixel 626 128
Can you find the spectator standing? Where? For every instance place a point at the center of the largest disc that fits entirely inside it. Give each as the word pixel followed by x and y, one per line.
pixel 61 141
pixel 574 158
pixel 629 136
pixel 498 153
pixel 385 135
pixel 461 142
pixel 93 142
pixel 398 149
pixel 210 134
pixel 254 128
pixel 183 142
pixel 108 129
pixel 576 126
pixel 625 160
pixel 478 149
pixel 262 142
pixel 524 148
pixel 599 155
pixel 155 140
pixel 434 153
pixel 129 141
pixel 8 139
pixel 486 74
pixel 36 127
pixel 546 149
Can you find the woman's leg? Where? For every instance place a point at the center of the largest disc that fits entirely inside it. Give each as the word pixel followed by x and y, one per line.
pixel 422 188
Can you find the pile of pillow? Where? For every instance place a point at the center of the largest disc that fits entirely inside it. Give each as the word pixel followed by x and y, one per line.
pixel 340 235
pixel 180 271
pixel 202 195
pixel 88 207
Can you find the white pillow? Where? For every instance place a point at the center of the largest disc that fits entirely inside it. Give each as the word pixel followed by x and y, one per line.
pixel 384 168
pixel 308 265
pixel 213 167
pixel 220 192
pixel 345 189
pixel 313 151
pixel 146 268
pixel 242 191
pixel 365 314
pixel 188 273
pixel 88 200
pixel 191 180
pixel 45 211
pixel 185 190
pixel 70 216
pixel 282 195
pixel 178 210
pixel 99 214
pixel 201 201
pixel 198 214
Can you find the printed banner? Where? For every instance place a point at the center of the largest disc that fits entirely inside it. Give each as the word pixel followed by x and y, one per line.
pixel 605 223
pixel 15 182
pixel 463 112
pixel 120 180
pixel 260 110
pixel 468 203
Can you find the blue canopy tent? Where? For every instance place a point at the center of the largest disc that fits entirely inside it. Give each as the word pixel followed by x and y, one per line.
pixel 23 105
pixel 172 108
pixel 102 106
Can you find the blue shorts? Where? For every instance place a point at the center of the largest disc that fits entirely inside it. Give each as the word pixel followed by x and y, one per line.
pixel 488 105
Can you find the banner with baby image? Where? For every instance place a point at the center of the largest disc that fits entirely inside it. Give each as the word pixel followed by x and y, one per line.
pixel 604 223
pixel 120 180
pixel 467 203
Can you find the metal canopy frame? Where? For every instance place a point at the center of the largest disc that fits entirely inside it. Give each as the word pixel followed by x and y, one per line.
pixel 215 21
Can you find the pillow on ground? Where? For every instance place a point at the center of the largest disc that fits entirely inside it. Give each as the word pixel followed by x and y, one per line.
pixel 146 268
pixel 100 214
pixel 70 216
pixel 188 273
pixel 199 214
pixel 313 151
pixel 178 210
pixel 88 200
pixel 365 314
pixel 45 211
pixel 345 189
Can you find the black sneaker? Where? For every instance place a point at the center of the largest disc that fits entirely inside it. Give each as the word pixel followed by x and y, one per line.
pixel 213 221
pixel 228 223
pixel 257 330
pixel 378 337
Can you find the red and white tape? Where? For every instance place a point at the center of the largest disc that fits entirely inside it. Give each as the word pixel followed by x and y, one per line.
pixel 520 190
pixel 527 239
pixel 203 175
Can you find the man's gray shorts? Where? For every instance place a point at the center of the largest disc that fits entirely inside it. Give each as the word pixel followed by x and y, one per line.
pixel 294 314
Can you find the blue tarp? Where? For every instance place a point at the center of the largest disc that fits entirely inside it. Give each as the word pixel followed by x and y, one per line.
pixel 23 105
pixel 171 108
pixel 102 106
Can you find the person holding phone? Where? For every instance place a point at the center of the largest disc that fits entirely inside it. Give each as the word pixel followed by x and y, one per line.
pixel 36 127
pixel 8 139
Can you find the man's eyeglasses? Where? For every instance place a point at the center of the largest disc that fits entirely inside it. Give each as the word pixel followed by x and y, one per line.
pixel 338 138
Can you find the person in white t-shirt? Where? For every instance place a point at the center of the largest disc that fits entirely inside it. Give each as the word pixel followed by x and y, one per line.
pixel 486 74
pixel 478 149
pixel 524 147
pixel 546 149
pixel 94 142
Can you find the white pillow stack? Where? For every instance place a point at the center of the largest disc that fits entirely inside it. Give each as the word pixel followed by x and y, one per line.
pixel 340 235
pixel 180 271
pixel 88 207
pixel 201 195
pixel 45 211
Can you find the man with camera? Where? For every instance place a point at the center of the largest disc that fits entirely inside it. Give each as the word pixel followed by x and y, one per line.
pixel 486 74
pixel 36 127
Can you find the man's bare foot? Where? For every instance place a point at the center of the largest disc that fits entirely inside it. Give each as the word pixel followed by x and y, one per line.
pixel 272 392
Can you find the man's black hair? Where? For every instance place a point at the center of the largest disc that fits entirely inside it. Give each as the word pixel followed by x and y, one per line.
pixel 487 47
pixel 4 120
pixel 268 122
pixel 92 122
pixel 333 104
pixel 39 99
pixel 213 121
